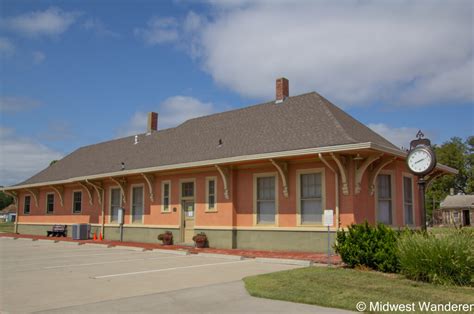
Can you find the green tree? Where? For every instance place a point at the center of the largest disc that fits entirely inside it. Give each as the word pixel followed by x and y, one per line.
pixel 457 154
pixel 5 200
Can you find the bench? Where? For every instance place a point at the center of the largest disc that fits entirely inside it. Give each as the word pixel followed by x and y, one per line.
pixel 57 231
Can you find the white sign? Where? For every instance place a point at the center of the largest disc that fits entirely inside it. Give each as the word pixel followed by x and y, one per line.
pixel 328 218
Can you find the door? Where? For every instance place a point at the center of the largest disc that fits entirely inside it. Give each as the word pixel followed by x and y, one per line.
pixel 188 220
pixel 466 218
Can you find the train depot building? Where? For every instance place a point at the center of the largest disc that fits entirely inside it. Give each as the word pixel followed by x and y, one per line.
pixel 259 177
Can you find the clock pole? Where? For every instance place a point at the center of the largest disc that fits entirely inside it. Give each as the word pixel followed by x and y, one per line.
pixel 421 187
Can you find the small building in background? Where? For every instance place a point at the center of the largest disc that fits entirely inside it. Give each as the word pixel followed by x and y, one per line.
pixel 8 214
pixel 458 210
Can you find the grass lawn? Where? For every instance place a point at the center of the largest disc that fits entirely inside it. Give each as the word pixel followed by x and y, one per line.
pixel 6 226
pixel 343 288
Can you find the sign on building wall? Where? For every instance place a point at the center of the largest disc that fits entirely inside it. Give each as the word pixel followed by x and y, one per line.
pixel 328 218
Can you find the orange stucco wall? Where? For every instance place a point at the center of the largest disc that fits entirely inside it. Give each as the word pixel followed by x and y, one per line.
pixel 238 209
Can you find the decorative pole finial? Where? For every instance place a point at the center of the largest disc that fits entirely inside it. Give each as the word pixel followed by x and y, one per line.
pixel 419 134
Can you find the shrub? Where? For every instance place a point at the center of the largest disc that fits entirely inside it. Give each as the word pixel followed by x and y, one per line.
pixel 364 245
pixel 440 259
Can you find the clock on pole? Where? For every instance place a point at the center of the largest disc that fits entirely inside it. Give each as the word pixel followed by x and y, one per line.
pixel 421 160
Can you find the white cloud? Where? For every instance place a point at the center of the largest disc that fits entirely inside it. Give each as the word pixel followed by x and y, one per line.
pixel 21 157
pixel 50 22
pixel 171 112
pixel 159 30
pixel 400 137
pixel 6 47
pixel 38 57
pixel 97 26
pixel 353 52
pixel 15 104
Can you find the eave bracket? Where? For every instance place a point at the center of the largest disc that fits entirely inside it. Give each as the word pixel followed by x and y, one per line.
pixel 150 181
pixel 282 168
pixel 343 172
pixel 59 189
pixel 359 173
pixel 225 175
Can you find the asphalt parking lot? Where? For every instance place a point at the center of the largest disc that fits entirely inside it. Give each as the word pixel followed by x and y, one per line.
pixel 63 277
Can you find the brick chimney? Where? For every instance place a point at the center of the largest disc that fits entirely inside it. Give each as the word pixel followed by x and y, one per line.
pixel 282 89
pixel 152 122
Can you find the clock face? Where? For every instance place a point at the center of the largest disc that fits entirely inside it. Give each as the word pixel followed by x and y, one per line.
pixel 420 160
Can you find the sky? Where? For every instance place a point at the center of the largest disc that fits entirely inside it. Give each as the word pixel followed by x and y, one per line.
pixel 75 73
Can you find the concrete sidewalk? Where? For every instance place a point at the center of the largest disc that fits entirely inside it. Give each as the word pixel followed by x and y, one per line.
pixel 320 258
pixel 228 297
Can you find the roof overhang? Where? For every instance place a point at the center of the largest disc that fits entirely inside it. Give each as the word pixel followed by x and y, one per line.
pixel 228 160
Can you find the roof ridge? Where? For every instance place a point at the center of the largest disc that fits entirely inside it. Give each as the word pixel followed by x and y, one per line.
pixel 326 104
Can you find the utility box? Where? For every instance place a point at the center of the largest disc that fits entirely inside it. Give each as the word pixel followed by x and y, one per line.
pixel 80 232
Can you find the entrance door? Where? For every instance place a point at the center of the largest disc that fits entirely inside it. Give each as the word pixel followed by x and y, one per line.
pixel 188 220
pixel 466 218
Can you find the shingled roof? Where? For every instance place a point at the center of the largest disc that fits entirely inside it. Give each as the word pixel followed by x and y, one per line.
pixel 299 122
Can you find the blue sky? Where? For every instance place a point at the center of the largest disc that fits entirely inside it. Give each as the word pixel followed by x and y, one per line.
pixel 75 73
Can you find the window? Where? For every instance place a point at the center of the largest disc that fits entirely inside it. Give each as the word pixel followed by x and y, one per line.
pixel 115 204
pixel 77 202
pixel 187 189
pixel 26 205
pixel 165 196
pixel 49 203
pixel 311 201
pixel 408 200
pixel 384 192
pixel 211 194
pixel 137 204
pixel 266 204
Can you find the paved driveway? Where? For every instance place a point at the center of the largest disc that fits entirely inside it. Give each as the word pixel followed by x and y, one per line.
pixel 65 277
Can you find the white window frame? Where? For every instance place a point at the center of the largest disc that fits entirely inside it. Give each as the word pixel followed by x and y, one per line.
pixel 209 179
pixel 54 201
pixel 298 194
pixel 114 187
pixel 407 175
pixel 24 203
pixel 393 196
pixel 163 209
pixel 255 212
pixel 131 203
pixel 75 191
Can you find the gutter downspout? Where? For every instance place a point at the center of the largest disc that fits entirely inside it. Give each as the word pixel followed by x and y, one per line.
pixel 338 218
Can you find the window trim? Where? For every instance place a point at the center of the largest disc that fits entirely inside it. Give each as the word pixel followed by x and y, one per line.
pixel 209 210
pixel 72 201
pixel 255 220
pixel 299 172
pixel 113 187
pixel 142 185
pixel 393 196
pixel 24 203
pixel 163 210
pixel 49 193
pixel 408 175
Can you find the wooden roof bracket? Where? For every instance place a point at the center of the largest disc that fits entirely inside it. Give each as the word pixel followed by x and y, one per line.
pixel 35 194
pixel 98 188
pixel 282 168
pixel 225 174
pixel 13 194
pixel 431 178
pixel 376 171
pixel 359 172
pixel 343 172
pixel 59 189
pixel 90 191
pixel 150 181
pixel 122 183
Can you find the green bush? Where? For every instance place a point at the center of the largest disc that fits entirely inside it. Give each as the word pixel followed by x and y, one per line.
pixel 440 259
pixel 364 245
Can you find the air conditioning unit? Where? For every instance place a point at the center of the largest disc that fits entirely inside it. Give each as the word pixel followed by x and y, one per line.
pixel 80 231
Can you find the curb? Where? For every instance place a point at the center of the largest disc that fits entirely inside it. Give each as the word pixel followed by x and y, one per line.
pixel 223 256
pixel 131 248
pixel 174 252
pixel 97 245
pixel 298 262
